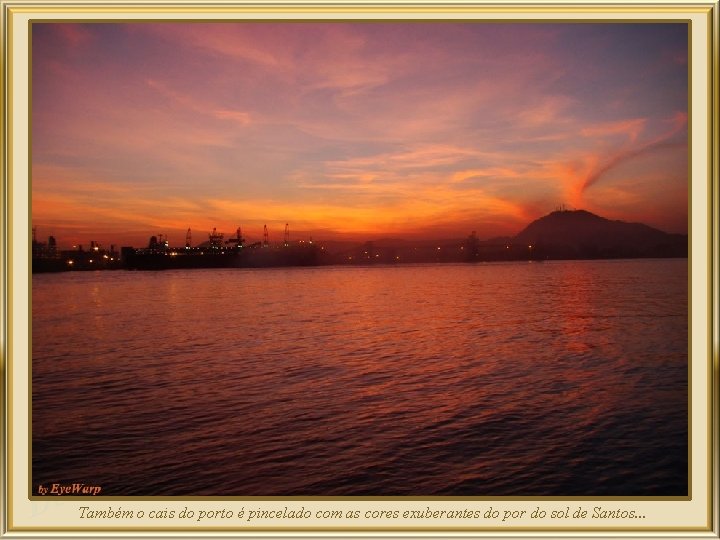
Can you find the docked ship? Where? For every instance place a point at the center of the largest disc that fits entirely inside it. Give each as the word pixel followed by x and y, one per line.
pixel 217 252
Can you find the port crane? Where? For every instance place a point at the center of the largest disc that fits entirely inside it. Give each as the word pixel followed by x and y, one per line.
pixel 216 238
pixel 238 240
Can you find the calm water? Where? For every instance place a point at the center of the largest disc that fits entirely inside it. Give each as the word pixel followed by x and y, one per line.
pixel 556 378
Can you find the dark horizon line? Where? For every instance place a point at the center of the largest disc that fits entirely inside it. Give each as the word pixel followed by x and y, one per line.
pixel 348 238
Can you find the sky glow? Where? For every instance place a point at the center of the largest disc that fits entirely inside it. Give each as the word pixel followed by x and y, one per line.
pixel 353 130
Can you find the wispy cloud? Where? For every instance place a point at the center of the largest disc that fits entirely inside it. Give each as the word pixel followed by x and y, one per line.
pixel 677 123
pixel 631 128
pixel 354 126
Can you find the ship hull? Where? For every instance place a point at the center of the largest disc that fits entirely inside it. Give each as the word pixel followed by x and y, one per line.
pixel 248 258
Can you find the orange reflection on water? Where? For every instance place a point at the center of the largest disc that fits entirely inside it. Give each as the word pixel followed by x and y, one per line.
pixel 553 378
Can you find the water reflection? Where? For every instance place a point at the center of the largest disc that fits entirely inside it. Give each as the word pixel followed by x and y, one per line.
pixel 498 379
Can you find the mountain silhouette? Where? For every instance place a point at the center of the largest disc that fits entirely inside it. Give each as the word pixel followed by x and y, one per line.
pixel 581 234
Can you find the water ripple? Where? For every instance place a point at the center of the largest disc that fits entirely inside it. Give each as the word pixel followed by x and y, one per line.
pixel 549 379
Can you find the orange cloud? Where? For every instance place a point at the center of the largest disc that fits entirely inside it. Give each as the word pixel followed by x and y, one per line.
pixel 240 117
pixel 497 172
pixel 352 127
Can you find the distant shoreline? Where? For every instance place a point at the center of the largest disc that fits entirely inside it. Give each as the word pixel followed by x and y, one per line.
pixel 560 235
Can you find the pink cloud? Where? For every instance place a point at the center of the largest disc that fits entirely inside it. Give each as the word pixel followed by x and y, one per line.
pixel 677 123
pixel 75 35
pixel 631 128
pixel 321 117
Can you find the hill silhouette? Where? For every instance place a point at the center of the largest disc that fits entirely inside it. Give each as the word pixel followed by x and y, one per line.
pixel 581 234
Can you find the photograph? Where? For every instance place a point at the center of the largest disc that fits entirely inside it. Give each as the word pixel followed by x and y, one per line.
pixel 360 258
pixel 359 269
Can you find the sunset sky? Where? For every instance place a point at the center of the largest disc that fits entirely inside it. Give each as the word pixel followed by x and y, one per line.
pixel 353 130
